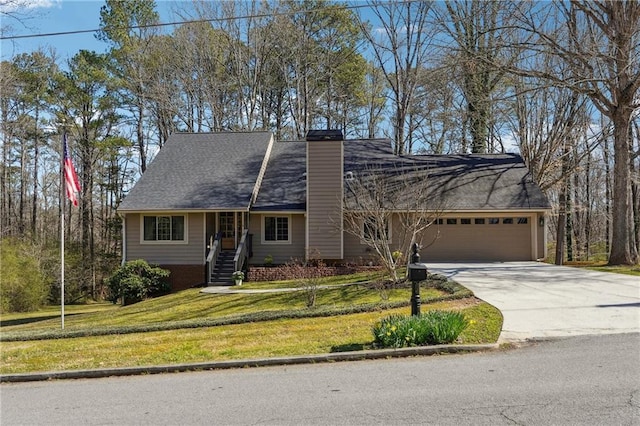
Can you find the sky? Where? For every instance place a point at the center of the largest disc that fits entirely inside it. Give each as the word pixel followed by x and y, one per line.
pixel 50 16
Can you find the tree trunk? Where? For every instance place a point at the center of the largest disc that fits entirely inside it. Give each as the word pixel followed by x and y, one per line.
pixel 140 136
pixel 607 195
pixel 562 224
pixel 36 149
pixel 568 218
pixel 623 249
pixel 23 187
pixel 587 225
pixel 635 188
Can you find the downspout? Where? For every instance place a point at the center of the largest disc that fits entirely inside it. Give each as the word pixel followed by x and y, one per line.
pixel 124 239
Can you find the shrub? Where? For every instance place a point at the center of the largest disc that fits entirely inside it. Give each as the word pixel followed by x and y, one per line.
pixel 24 286
pixel 136 280
pixel 431 328
pixel 307 277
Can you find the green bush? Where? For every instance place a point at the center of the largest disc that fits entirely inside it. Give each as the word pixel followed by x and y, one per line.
pixel 431 328
pixel 136 280
pixel 23 287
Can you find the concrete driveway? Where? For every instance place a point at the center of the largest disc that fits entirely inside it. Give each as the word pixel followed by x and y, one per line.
pixel 541 301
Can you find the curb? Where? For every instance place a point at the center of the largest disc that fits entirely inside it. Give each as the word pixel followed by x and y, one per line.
pixel 265 362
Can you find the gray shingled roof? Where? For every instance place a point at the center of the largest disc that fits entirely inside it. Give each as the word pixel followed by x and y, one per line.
pixel 482 182
pixel 284 186
pixel 201 171
pixel 219 170
pixel 456 182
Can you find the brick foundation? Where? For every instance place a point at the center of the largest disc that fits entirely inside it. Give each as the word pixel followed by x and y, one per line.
pixel 276 273
pixel 185 276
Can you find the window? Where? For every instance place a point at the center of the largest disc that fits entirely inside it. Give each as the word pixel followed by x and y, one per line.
pixel 479 221
pixel 372 231
pixel 440 222
pixel 523 220
pixel 465 221
pixel 452 221
pixel 507 221
pixel 164 228
pixel 494 221
pixel 226 224
pixel 276 229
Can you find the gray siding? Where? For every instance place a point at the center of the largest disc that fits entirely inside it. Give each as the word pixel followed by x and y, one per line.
pixel 281 252
pixel 191 253
pixel 324 199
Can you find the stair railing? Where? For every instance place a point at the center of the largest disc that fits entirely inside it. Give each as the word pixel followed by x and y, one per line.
pixel 215 245
pixel 241 252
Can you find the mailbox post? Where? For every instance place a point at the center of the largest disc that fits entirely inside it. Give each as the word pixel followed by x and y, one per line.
pixel 417 274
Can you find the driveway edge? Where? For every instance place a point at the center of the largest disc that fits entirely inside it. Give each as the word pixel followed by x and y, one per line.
pixel 264 362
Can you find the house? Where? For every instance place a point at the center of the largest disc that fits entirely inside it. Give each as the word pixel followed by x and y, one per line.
pixel 212 203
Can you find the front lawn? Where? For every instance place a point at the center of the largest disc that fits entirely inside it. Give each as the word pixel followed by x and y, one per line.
pixel 298 331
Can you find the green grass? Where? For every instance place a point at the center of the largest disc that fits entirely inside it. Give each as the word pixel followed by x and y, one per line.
pixel 264 338
pixel 627 270
pixel 51 313
pixel 193 305
pixel 603 267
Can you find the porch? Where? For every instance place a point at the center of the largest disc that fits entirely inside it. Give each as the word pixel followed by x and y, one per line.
pixel 228 246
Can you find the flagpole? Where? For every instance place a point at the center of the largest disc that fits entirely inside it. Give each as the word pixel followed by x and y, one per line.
pixel 63 198
pixel 62 269
pixel 72 188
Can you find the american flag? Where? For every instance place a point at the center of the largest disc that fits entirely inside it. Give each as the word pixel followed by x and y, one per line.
pixel 70 177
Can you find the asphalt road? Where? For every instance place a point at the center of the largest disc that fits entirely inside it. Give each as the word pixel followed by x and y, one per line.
pixel 578 380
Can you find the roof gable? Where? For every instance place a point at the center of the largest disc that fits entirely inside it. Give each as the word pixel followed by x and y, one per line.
pixel 201 171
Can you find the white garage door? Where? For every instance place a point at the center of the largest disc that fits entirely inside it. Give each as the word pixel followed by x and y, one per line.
pixel 478 238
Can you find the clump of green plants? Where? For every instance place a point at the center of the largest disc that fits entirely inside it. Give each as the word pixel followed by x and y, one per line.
pixel 136 280
pixel 24 284
pixel 430 328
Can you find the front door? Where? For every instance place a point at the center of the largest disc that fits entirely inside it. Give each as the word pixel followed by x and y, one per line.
pixel 227 230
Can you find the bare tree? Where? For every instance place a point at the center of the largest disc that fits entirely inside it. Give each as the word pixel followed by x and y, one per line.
pixel 596 45
pixel 388 207
pixel 481 47
pixel 400 47
pixel 123 25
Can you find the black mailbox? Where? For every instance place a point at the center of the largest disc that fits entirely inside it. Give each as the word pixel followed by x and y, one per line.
pixel 417 272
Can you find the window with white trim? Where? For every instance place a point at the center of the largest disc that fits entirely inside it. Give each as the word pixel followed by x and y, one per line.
pixel 276 229
pixel 164 228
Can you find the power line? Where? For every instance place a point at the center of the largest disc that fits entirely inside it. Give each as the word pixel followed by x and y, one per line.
pixel 195 21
